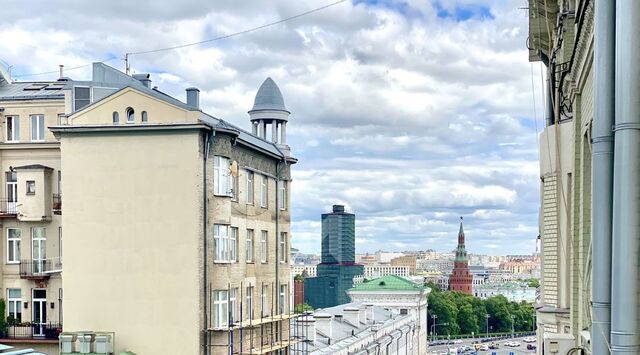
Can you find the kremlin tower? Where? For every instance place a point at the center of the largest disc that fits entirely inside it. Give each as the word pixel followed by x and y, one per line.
pixel 460 279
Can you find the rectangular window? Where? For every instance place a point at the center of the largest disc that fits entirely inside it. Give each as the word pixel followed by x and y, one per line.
pixel 233 244
pixel 249 313
pixel 282 195
pixel 249 246
pixel 263 301
pixel 263 191
pixel 283 299
pixel 12 190
pixel 13 245
pixel 81 97
pixel 233 305
pixel 37 128
pixel 13 129
pixel 263 246
pixel 234 187
pixel 14 306
pixel 31 187
pixel 283 247
pixel 220 308
pixel 249 187
pixel 38 248
pixel 221 243
pixel 221 176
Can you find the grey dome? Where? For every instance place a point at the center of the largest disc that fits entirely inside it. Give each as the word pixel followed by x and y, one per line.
pixel 269 97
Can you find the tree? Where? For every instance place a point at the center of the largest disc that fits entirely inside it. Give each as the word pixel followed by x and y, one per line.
pixel 301 308
pixel 534 283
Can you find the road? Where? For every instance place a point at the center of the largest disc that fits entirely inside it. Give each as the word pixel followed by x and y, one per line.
pixel 504 350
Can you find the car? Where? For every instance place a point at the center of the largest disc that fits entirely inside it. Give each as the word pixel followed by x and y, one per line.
pixel 457 341
pixel 529 340
pixel 531 346
pixel 484 347
pixel 494 346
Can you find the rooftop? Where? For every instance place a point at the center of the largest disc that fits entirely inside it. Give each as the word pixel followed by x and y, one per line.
pixel 388 283
pixel 269 97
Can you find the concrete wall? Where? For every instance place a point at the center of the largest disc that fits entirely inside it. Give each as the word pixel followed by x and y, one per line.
pixel 132 219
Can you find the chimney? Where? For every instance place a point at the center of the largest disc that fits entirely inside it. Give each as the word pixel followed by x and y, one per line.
pixel 368 314
pixel 61 71
pixel 308 325
pixel 193 97
pixel 323 324
pixel 352 315
pixel 144 79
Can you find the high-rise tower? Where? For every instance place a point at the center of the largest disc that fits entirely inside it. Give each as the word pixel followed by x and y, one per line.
pixel 460 279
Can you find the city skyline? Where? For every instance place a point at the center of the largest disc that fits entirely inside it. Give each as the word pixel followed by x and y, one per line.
pixel 439 123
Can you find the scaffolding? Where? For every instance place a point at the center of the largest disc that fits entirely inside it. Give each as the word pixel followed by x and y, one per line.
pixel 275 331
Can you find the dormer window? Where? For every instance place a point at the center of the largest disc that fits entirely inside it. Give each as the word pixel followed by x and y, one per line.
pixel 145 119
pixel 116 117
pixel 130 115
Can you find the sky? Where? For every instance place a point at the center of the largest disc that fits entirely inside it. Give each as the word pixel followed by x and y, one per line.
pixel 411 113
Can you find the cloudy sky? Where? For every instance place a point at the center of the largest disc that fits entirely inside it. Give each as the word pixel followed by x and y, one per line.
pixel 410 112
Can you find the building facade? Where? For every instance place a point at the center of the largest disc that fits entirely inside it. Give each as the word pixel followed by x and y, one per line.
pixel 337 270
pixel 461 280
pixel 409 261
pixel 188 213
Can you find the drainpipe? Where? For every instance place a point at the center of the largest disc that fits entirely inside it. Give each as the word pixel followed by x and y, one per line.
pixel 549 106
pixel 602 173
pixel 625 336
pixel 208 138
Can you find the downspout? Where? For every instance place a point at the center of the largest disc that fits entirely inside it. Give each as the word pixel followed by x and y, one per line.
pixel 208 138
pixel 625 337
pixel 602 173
pixel 549 105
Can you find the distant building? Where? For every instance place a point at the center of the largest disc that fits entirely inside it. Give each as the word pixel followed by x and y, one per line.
pixel 304 270
pixel 338 268
pixel 356 328
pixel 407 260
pixel 461 279
pixel 383 270
pixel 386 257
pixel 513 291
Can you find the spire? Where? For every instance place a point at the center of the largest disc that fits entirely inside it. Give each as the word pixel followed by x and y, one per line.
pixel 461 252
pixel 461 232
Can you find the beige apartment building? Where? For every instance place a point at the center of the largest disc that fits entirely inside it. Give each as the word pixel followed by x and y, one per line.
pixel 177 237
pixel 408 261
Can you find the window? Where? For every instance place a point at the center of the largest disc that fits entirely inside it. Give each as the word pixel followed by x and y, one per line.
pixel 38 248
pixel 81 97
pixel 31 187
pixel 13 245
pixel 249 187
pixel 14 310
pixel 145 119
pixel 233 244
pixel 116 117
pixel 12 190
pixel 130 115
pixel 263 191
pixel 37 128
pixel 283 247
pixel 60 119
pixel 249 246
pixel 220 308
pixel 263 301
pixel 221 175
pixel 13 129
pixel 403 311
pixel 233 304
pixel 249 302
pixel 282 195
pixel 283 299
pixel 221 243
pixel 263 246
pixel 234 186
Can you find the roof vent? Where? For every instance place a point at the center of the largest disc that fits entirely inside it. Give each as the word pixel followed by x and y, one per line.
pixel 381 283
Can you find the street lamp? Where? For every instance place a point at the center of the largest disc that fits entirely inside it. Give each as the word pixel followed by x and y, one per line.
pixel 487 316
pixel 513 319
pixel 433 326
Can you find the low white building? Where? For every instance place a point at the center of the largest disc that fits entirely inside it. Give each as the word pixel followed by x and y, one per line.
pixel 311 270
pixel 371 271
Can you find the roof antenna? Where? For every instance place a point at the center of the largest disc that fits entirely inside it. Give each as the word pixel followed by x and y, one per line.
pixel 126 64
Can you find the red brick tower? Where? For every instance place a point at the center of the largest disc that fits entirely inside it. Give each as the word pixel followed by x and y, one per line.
pixel 460 279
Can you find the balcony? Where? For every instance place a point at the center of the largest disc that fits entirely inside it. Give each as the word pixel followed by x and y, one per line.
pixel 8 208
pixel 32 331
pixel 57 204
pixel 40 269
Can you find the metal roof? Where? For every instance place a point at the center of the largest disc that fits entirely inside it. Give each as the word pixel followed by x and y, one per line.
pixel 32 90
pixel 388 283
pixel 269 97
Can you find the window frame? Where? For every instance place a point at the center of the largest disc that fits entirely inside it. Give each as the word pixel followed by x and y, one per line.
pixel 115 117
pixel 39 125
pixel 221 178
pixel 144 117
pixel 264 247
pixel 264 191
pixel 282 244
pixel 220 243
pixel 220 309
pixel 15 129
pixel 233 244
pixel 13 244
pixel 75 107
pixel 282 194
pixel 233 304
pixel 16 302
pixel 283 298
pixel 264 310
pixel 249 245
pixel 250 198
pixel 249 301
pixel 31 187
pixel 130 115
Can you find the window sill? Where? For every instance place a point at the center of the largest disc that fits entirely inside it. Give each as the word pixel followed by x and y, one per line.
pixel 37 141
pixel 249 262
pixel 30 193
pixel 13 263
pixel 12 141
pixel 221 195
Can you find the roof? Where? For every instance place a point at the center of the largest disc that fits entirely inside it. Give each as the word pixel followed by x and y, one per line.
pixel 388 283
pixel 269 97
pixel 32 167
pixel 32 90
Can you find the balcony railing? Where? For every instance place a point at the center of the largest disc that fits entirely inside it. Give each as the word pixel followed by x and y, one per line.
pixel 8 208
pixel 57 204
pixel 33 331
pixel 40 269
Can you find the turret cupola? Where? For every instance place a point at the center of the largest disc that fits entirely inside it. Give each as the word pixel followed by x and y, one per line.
pixel 269 110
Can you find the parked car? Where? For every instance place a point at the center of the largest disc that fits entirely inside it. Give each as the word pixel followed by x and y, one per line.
pixel 494 346
pixel 484 347
pixel 529 340
pixel 531 346
pixel 457 341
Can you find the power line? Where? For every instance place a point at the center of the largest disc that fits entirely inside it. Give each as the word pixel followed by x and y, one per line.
pixel 235 34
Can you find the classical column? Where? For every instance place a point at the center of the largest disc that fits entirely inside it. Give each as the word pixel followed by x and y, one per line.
pixel 283 133
pixel 274 131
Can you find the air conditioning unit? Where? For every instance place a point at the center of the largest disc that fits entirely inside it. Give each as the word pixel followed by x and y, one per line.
pixel 67 343
pixel 103 344
pixel 86 341
pixel 558 344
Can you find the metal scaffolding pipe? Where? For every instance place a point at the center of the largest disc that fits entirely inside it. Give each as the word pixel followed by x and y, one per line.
pixel 602 173
pixel 625 335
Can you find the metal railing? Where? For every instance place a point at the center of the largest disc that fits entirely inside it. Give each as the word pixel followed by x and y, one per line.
pixel 40 268
pixel 57 203
pixel 8 207
pixel 29 330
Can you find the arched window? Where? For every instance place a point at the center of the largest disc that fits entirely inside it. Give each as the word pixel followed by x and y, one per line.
pixel 144 117
pixel 130 115
pixel 116 117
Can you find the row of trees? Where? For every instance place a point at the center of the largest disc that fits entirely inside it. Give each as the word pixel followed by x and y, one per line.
pixel 465 314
